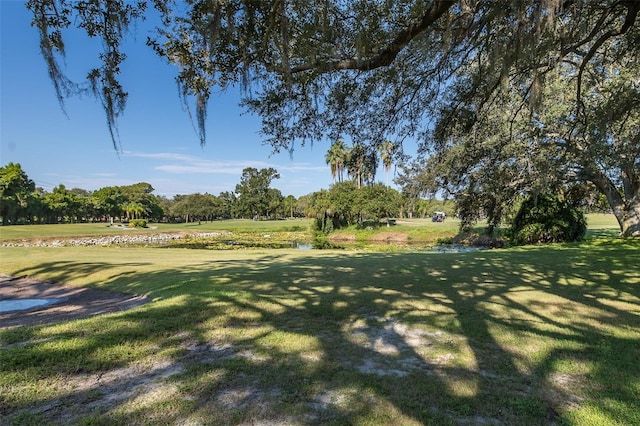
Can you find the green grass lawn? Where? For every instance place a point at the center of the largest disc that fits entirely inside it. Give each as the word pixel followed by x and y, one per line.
pixel 412 230
pixel 531 335
pixel 16 232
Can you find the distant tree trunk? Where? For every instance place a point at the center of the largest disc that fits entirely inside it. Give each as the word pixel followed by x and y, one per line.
pixel 631 222
pixel 627 209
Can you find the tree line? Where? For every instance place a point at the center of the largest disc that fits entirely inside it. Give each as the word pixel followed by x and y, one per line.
pixel 21 202
pixel 343 204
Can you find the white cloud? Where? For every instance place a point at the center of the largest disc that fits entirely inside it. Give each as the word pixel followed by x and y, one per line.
pixel 187 164
pixel 173 173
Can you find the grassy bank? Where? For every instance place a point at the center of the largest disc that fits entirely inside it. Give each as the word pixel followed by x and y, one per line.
pixel 404 231
pixel 69 230
pixel 533 335
pixel 249 233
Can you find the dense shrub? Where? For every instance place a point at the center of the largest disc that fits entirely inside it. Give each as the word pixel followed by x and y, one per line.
pixel 138 223
pixel 546 218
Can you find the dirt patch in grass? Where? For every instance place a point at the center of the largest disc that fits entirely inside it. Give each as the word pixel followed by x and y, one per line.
pixel 341 237
pixel 67 303
pixel 390 237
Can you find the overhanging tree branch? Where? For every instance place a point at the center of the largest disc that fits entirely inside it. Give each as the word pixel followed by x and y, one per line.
pixel 386 55
pixel 633 7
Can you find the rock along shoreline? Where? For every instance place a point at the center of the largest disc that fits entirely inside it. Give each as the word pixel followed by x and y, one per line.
pixel 110 240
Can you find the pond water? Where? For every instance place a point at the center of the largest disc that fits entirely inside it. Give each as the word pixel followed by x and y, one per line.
pixel 455 248
pixel 10 305
pixel 414 247
pixel 410 247
pixel 303 246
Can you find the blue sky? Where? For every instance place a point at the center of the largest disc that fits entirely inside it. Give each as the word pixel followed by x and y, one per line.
pixel 159 144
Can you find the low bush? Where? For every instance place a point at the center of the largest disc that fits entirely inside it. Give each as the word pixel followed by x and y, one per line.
pixel 545 218
pixel 138 223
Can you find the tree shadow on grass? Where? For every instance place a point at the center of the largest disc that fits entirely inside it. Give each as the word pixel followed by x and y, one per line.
pixel 535 336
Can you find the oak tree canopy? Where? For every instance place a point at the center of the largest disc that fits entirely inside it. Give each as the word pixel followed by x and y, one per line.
pixel 376 70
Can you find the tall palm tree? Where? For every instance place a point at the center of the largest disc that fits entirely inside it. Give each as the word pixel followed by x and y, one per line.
pixel 134 210
pixel 332 162
pixel 387 149
pixel 337 159
pixel 362 164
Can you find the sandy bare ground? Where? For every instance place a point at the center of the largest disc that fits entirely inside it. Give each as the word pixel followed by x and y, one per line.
pixel 71 302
